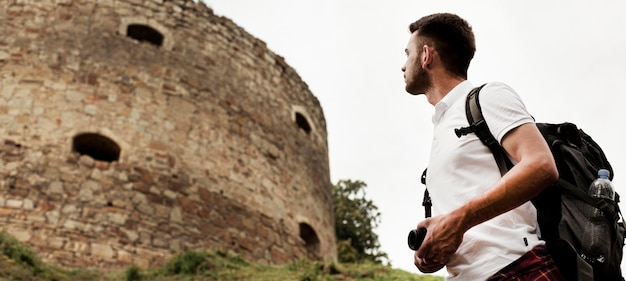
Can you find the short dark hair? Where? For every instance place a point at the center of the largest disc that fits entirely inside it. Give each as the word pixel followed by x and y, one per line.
pixel 451 36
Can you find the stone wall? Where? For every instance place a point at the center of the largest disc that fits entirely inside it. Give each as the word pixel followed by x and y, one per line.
pixel 120 147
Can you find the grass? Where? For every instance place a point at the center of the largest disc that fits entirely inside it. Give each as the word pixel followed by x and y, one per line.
pixel 18 262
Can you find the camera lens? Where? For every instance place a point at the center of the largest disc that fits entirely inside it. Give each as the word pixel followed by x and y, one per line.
pixel 416 237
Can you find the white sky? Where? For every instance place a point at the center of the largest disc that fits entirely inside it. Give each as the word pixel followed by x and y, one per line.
pixel 566 58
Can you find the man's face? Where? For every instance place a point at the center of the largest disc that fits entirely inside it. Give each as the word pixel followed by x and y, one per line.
pixel 417 79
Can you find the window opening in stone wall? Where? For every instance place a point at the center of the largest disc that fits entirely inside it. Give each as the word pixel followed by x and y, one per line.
pixel 144 33
pixel 303 123
pixel 311 241
pixel 97 146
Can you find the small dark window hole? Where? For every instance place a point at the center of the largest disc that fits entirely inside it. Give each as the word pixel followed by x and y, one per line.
pixel 144 33
pixel 97 146
pixel 311 241
pixel 303 123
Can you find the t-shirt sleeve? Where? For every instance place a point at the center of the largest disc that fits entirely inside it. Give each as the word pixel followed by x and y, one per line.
pixel 502 109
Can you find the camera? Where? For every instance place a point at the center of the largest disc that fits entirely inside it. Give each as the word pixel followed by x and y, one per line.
pixel 416 237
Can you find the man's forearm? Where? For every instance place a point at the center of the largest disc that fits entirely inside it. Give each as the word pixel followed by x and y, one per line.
pixel 518 186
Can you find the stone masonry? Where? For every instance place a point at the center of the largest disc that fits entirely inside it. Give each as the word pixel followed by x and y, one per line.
pixel 134 130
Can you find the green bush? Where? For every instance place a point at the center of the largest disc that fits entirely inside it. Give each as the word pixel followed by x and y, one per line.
pixel 190 262
pixel 15 251
pixel 132 273
pixel 356 217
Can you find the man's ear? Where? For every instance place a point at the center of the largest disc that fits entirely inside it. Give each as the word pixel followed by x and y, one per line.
pixel 427 56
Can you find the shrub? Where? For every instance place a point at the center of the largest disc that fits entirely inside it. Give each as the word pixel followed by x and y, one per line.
pixel 190 262
pixel 17 252
pixel 132 273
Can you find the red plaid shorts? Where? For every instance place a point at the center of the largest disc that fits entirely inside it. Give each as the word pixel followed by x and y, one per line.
pixel 536 265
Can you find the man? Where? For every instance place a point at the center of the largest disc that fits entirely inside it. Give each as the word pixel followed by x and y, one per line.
pixel 483 221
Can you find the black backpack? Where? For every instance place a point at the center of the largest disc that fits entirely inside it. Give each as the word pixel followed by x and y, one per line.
pixel 564 210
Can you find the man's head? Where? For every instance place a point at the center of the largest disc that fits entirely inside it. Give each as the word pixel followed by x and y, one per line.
pixel 447 35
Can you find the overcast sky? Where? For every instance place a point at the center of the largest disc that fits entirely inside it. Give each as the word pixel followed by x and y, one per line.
pixel 567 60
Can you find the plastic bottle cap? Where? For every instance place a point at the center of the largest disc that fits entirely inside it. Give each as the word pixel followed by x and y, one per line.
pixel 604 173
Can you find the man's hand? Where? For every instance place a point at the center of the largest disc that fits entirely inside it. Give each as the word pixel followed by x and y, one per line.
pixel 426 266
pixel 442 239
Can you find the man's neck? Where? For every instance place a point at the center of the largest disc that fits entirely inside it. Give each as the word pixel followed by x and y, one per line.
pixel 441 87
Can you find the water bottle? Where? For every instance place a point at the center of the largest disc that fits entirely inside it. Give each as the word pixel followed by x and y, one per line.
pixel 602 187
pixel 600 230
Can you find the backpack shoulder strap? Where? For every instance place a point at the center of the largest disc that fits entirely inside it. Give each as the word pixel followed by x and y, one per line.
pixel 478 125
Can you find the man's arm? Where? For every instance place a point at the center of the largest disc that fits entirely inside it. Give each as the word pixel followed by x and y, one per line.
pixel 534 171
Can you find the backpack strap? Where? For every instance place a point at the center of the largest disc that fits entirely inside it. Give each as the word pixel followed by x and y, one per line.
pixel 478 126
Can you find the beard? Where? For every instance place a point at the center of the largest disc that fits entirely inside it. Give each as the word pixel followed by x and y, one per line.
pixel 420 83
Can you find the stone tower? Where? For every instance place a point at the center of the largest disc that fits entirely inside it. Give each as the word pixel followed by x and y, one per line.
pixel 133 130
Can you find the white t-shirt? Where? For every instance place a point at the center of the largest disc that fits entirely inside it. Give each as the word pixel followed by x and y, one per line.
pixel 462 168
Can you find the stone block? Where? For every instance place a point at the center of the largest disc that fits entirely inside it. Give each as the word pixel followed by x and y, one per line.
pixel 102 250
